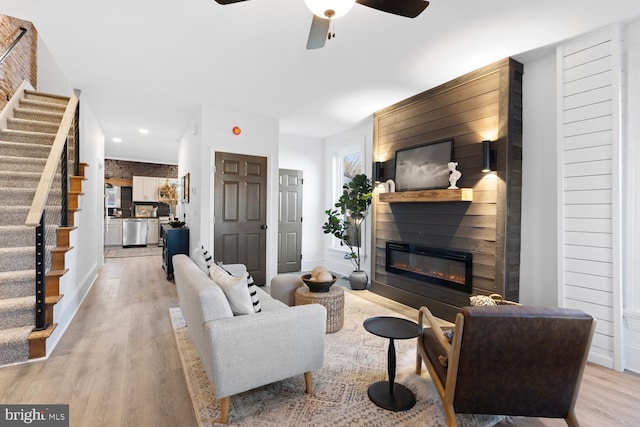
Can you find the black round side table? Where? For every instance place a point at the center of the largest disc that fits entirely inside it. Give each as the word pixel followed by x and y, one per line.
pixel 389 394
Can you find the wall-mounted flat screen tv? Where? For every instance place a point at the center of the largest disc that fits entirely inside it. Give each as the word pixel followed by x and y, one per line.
pixel 424 167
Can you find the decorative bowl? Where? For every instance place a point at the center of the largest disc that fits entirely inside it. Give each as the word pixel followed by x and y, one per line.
pixel 315 286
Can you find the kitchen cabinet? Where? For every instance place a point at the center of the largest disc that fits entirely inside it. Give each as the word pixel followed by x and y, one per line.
pixel 176 241
pixel 113 232
pixel 145 188
pixel 152 231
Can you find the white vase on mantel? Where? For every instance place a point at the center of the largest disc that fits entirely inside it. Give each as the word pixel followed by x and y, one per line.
pixel 454 176
pixel 390 186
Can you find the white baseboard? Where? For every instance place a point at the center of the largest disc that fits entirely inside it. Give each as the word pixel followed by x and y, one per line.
pixel 632 341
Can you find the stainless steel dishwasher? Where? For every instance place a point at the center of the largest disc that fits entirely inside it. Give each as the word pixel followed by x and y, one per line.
pixel 134 232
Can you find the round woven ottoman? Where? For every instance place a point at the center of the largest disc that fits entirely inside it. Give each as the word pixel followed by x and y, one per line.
pixel 333 301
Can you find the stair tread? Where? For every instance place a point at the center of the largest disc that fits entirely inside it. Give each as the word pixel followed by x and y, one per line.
pixel 27 132
pixel 36 122
pixel 37 103
pixel 52 273
pixel 16 273
pixel 22 159
pixel 8 228
pixel 44 333
pixel 46 94
pixel 10 334
pixel 61 249
pixel 19 303
pixel 18 123
pixel 25 144
pixel 26 174
pixel 17 190
pixel 33 111
pixel 27 190
pixel 18 249
pixel 53 299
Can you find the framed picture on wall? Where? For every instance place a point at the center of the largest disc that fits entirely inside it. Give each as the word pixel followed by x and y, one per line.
pixel 424 167
pixel 185 188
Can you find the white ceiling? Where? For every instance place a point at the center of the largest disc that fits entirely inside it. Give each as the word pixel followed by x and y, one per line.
pixel 152 63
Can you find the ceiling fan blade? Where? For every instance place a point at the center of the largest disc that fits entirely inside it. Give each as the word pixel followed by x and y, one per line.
pixel 318 32
pixel 223 2
pixel 408 8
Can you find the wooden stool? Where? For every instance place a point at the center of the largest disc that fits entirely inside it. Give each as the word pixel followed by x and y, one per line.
pixel 333 301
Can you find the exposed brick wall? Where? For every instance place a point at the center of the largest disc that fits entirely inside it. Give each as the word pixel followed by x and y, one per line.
pixel 22 62
pixel 122 169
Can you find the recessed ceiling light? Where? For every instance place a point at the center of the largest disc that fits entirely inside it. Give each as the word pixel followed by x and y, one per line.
pixel 143 131
pixel 118 140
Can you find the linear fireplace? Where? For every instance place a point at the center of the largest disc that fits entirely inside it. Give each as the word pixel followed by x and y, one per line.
pixel 445 267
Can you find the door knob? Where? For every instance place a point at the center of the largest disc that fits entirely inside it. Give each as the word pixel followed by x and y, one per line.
pixel 263 226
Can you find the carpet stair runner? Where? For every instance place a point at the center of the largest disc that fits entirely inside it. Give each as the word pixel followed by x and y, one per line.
pixel 24 147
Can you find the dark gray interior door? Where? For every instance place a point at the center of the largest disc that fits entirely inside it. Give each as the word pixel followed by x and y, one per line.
pixel 240 208
pixel 290 221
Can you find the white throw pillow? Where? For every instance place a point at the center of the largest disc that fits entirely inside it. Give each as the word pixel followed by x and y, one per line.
pixel 198 258
pixel 234 288
pixel 253 289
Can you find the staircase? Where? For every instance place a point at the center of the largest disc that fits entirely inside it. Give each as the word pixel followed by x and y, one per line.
pixel 25 144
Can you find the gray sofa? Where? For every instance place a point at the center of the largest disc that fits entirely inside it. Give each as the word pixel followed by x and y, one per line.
pixel 240 353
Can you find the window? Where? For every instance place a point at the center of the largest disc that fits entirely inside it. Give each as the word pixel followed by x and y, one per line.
pixel 349 161
pixel 351 166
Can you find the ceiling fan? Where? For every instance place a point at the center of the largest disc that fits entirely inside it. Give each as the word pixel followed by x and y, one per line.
pixel 324 11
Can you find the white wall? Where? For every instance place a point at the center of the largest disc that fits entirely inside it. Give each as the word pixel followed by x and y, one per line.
pixel 538 256
pixel 631 204
pixel 334 255
pixel 259 137
pixel 191 161
pixel 50 76
pixel 306 154
pixel 85 259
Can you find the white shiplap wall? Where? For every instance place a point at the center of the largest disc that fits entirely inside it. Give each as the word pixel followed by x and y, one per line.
pixel 589 132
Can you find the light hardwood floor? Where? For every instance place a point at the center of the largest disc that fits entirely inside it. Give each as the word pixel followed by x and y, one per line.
pixel 117 364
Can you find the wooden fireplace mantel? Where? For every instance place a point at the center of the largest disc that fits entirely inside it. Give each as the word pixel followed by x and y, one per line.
pixel 459 195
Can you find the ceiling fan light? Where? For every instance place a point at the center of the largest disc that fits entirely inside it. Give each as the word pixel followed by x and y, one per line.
pixel 329 9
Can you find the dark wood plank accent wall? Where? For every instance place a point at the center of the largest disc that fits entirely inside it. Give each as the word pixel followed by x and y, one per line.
pixel 484 104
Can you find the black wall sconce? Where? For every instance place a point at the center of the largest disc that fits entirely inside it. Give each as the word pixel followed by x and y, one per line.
pixel 488 157
pixel 377 171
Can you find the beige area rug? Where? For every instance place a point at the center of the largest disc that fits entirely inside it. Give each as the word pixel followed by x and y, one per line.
pixel 133 252
pixel 354 359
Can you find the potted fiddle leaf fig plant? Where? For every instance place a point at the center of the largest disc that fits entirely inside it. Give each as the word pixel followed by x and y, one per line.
pixel 345 220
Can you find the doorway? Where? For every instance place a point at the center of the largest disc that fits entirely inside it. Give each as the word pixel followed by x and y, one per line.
pixel 290 221
pixel 240 207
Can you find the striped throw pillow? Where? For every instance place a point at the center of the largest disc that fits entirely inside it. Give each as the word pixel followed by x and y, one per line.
pixel 253 291
pixel 208 258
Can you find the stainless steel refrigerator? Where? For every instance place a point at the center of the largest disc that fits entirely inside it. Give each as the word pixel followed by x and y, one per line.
pixel 112 197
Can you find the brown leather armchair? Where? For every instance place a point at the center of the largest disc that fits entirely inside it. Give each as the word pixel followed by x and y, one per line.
pixel 508 360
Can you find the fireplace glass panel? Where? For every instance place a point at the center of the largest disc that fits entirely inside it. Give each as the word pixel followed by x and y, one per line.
pixel 443 267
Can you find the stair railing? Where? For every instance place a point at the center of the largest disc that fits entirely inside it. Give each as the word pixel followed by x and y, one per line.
pixel 55 166
pixel 13 44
